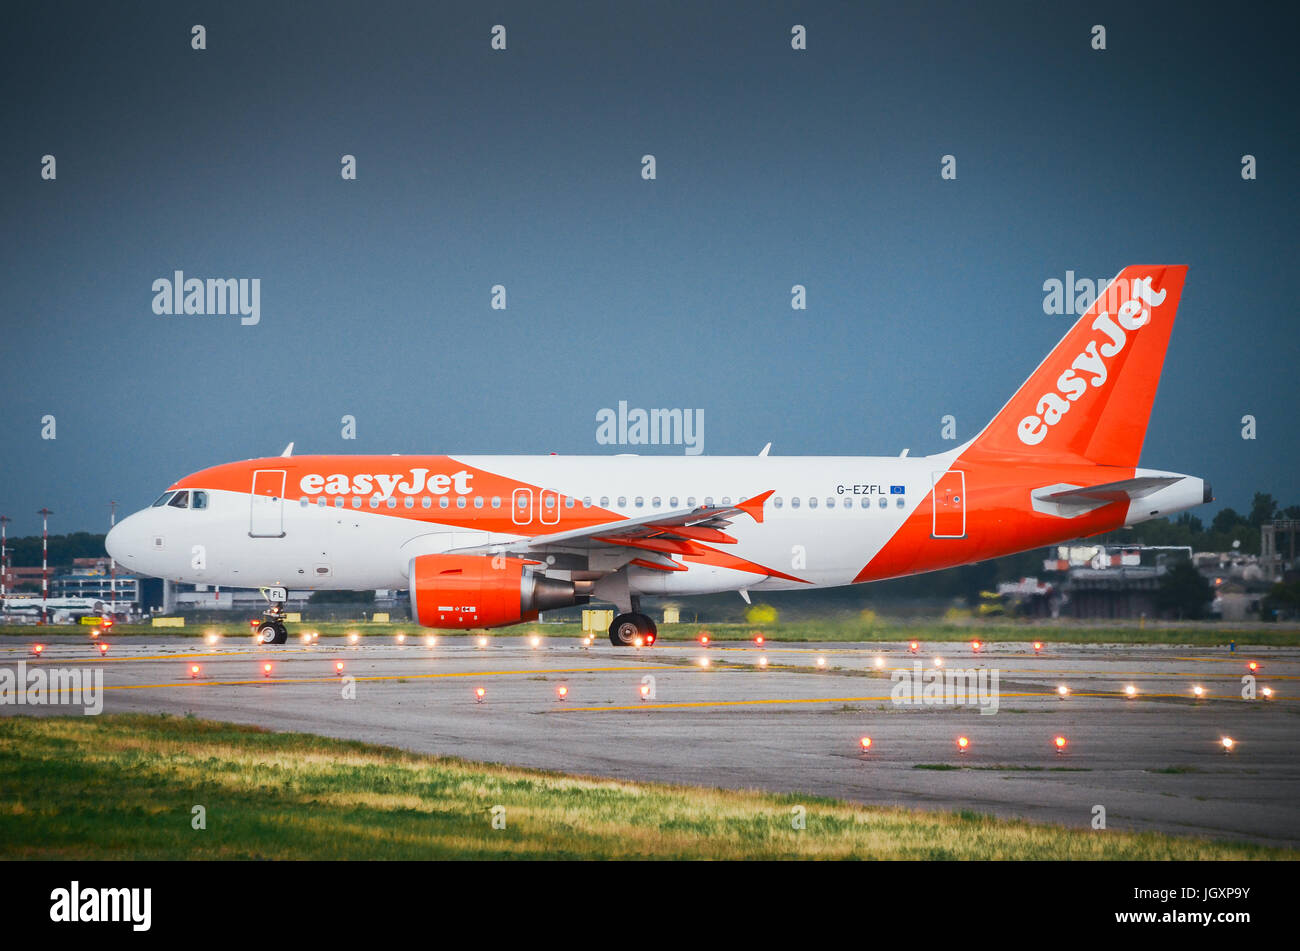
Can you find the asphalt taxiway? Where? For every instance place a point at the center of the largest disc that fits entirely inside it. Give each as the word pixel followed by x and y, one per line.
pixel 1153 761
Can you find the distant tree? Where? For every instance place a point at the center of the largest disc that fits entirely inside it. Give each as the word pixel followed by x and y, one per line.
pixel 1184 592
pixel 1262 509
pixel 1291 511
pixel 1227 520
pixel 1191 523
pixel 1282 601
pixel 26 551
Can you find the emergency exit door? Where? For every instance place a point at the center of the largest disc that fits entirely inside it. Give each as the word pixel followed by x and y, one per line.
pixel 266 515
pixel 949 504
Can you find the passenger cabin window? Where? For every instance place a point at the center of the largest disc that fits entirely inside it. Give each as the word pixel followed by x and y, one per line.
pixel 181 500
pixel 812 503
pixel 884 502
pixel 478 501
pixel 496 501
pixel 866 503
pixel 604 501
pixel 426 502
pixel 899 503
pixel 640 501
pixel 690 500
pixel 794 502
pixel 776 502
pixel 622 501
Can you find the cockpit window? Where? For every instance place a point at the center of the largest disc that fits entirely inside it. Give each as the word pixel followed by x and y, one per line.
pixel 162 500
pixel 181 500
pixel 199 500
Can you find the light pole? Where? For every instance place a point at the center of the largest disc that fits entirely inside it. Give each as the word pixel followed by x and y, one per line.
pixel 4 554
pixel 112 562
pixel 45 564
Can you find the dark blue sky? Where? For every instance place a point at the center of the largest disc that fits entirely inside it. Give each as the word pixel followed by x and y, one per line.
pixel 522 168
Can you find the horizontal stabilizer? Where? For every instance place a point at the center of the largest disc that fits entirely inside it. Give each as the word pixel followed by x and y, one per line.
pixel 1070 500
pixel 1128 489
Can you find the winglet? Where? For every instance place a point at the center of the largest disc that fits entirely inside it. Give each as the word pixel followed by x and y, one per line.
pixel 288 451
pixel 765 450
pixel 754 507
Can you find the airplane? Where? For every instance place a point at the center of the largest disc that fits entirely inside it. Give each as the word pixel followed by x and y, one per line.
pixel 487 541
pixel 59 610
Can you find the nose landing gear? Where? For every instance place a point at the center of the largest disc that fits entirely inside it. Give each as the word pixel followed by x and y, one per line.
pixel 272 629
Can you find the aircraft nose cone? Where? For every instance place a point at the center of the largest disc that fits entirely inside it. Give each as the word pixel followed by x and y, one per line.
pixel 116 542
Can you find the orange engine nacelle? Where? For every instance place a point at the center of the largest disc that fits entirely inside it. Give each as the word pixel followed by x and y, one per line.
pixel 464 591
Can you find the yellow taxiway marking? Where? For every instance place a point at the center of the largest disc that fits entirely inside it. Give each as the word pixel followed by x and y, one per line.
pixel 694 664
pixel 197 682
pixel 690 704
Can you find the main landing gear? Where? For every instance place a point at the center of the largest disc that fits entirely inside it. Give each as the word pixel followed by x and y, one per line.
pixel 632 630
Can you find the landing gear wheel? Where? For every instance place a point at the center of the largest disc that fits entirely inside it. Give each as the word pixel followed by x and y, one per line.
pixel 272 632
pixel 628 627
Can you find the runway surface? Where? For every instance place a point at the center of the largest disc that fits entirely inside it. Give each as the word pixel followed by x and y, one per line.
pixel 1153 762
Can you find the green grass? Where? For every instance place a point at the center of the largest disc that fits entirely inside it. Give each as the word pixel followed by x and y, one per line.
pixel 124 787
pixel 836 629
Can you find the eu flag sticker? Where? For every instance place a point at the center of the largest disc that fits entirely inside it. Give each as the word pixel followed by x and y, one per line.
pixel 896 490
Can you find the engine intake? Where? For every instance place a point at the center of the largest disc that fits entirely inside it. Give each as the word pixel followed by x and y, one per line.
pixel 465 591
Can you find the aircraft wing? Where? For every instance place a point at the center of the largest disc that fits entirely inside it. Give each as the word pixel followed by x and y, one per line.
pixel 653 539
pixel 702 523
pixel 650 541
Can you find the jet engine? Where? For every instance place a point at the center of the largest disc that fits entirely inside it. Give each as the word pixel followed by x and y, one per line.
pixel 465 591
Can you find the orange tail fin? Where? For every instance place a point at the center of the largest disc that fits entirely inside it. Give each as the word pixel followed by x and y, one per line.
pixel 1091 398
